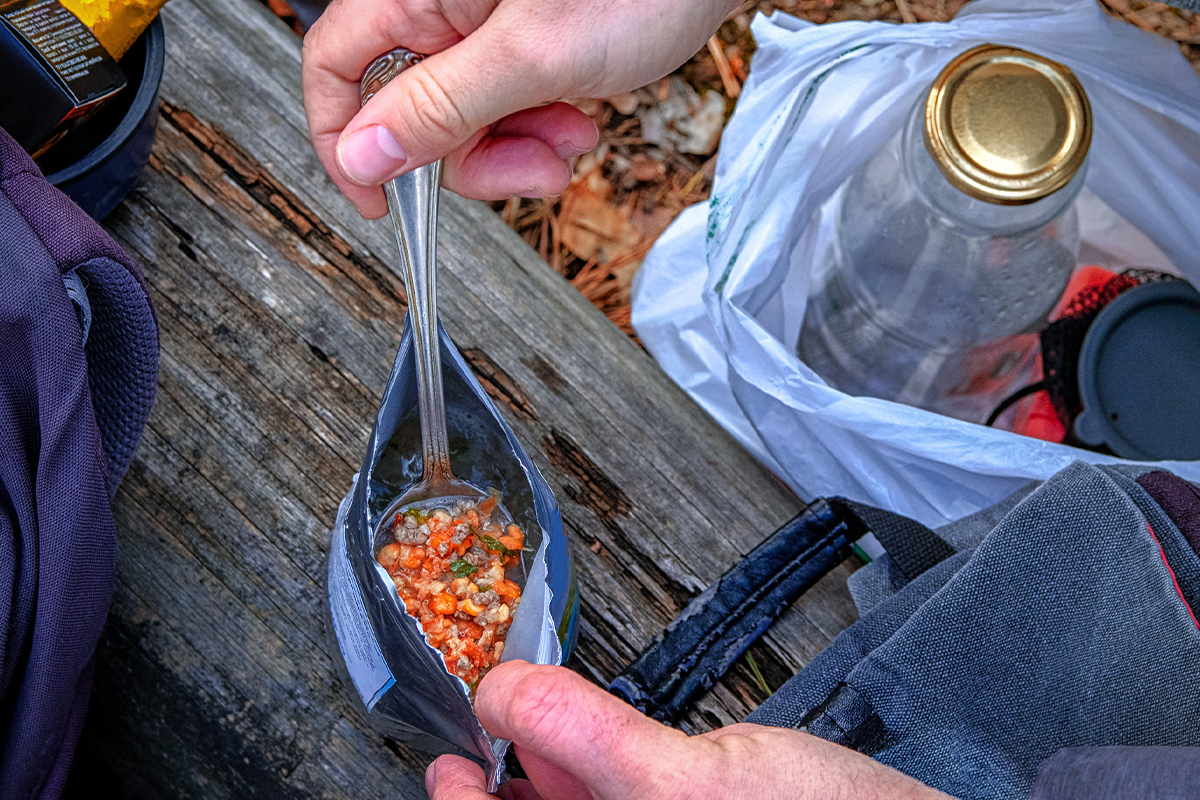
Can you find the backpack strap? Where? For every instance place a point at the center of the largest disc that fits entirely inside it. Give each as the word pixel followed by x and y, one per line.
pixel 912 547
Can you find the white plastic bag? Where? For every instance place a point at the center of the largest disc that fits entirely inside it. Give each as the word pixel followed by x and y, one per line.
pixel 720 298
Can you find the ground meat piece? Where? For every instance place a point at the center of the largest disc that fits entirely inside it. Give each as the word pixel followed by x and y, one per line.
pixel 460 533
pixel 485 598
pixel 496 612
pixel 464 664
pixel 414 535
pixel 476 557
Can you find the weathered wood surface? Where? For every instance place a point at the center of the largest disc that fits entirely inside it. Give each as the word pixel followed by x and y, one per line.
pixel 279 320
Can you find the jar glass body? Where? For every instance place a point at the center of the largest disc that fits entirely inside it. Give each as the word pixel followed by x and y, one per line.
pixel 933 297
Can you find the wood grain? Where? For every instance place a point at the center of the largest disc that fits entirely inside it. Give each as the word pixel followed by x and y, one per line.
pixel 279 318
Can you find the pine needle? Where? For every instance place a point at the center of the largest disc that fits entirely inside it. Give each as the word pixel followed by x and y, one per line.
pixel 758 676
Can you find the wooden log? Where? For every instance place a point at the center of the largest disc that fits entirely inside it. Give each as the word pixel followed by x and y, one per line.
pixel 279 318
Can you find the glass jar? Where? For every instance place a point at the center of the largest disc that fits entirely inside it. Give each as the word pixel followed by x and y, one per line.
pixel 956 239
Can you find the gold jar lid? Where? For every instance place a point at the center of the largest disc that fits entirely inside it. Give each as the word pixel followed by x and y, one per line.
pixel 1006 125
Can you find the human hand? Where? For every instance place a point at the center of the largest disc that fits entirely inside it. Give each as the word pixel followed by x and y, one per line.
pixel 478 99
pixel 577 742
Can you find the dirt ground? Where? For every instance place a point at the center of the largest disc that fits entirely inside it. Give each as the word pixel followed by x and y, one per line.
pixel 657 146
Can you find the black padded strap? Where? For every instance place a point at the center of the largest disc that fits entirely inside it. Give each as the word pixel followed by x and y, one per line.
pixel 715 629
pixel 700 645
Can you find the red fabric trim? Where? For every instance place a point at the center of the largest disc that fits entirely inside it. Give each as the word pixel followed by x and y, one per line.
pixel 1174 580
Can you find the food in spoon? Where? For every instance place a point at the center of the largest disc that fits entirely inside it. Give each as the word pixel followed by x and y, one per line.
pixel 450 568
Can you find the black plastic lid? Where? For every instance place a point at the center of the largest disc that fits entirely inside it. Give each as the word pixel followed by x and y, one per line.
pixel 1139 374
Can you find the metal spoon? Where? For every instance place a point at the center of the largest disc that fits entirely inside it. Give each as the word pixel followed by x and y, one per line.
pixel 413 206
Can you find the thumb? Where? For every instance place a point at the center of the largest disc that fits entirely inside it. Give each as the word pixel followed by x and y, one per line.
pixel 437 105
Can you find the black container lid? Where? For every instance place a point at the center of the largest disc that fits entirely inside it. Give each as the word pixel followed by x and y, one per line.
pixel 1139 374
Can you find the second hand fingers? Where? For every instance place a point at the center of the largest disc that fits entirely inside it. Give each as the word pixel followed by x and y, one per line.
pixel 518 789
pixel 611 747
pixel 552 781
pixel 455 778
pixel 524 154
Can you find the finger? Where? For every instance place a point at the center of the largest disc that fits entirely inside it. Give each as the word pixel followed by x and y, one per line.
pixel 579 727
pixel 498 168
pixel 567 130
pixel 523 154
pixel 456 778
pixel 353 33
pixel 433 107
pixel 518 789
pixel 551 781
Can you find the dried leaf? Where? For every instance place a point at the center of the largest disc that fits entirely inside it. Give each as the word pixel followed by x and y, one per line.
pixel 645 168
pixel 625 103
pixel 623 277
pixel 588 105
pixel 589 224
pixel 653 223
pixel 590 160
pixel 684 121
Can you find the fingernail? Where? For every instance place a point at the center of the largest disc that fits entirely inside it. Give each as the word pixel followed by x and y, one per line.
pixel 569 149
pixel 431 778
pixel 371 156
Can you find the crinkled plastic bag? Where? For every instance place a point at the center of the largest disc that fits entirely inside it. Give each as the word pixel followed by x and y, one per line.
pixel 720 298
pixel 401 679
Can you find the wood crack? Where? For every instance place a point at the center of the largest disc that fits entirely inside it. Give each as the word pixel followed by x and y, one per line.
pixel 499 384
pixel 248 174
pixel 594 489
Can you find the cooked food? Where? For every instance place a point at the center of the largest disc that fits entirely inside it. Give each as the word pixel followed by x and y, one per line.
pixel 451 567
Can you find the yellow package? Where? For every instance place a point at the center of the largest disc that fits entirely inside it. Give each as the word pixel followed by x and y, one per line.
pixel 116 23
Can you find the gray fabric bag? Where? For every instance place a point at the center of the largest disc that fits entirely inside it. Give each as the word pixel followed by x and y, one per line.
pixel 1065 619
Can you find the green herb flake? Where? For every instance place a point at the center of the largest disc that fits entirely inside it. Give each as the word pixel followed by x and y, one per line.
pixel 483 587
pixel 462 568
pixel 494 544
pixel 418 516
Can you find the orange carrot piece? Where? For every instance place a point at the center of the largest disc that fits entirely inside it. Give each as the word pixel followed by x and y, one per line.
pixel 444 603
pixel 506 589
pixel 468 607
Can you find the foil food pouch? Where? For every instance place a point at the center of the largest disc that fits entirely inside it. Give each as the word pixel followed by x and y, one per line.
pixel 399 676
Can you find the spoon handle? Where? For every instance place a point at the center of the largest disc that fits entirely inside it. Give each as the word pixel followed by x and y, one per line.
pixel 413 205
